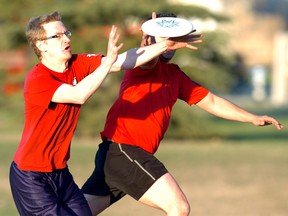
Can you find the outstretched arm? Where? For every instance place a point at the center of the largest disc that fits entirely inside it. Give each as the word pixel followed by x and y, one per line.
pixel 79 93
pixel 138 56
pixel 225 109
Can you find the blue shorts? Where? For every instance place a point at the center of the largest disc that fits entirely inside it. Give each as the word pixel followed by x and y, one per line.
pixel 47 193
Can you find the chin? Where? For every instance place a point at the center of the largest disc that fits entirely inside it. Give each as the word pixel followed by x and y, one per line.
pixel 164 59
pixel 68 55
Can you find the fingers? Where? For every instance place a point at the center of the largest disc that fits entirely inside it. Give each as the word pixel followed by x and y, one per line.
pixel 173 45
pixel 114 37
pixel 113 48
pixel 120 46
pixel 196 41
pixel 113 31
pixel 191 47
pixel 266 120
pixel 278 125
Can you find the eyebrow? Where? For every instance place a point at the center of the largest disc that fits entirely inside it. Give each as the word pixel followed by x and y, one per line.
pixel 60 32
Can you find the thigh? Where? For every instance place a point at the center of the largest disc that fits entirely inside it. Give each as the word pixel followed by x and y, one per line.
pixel 131 169
pixel 96 187
pixel 71 198
pixel 37 193
pixel 164 194
pixel 30 191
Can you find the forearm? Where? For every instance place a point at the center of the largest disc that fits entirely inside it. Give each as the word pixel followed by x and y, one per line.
pixel 223 108
pixel 227 110
pixel 138 56
pixel 80 93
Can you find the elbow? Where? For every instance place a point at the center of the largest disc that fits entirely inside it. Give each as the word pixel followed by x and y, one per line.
pixel 79 99
pixel 82 100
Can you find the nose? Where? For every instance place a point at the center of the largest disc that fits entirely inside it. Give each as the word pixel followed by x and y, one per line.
pixel 66 38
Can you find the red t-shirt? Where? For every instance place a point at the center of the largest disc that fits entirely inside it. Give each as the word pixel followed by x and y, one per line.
pixel 141 114
pixel 49 127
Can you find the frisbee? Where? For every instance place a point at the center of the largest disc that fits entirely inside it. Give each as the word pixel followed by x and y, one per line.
pixel 167 27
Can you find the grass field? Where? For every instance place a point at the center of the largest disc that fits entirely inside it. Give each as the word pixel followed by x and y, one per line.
pixel 245 174
pixel 237 178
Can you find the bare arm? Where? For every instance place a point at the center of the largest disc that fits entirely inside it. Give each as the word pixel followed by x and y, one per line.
pixel 79 93
pixel 138 56
pixel 225 109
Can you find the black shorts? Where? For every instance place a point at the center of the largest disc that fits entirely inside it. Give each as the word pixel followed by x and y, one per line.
pixel 122 169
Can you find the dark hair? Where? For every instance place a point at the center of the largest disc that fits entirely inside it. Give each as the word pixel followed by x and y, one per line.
pixel 165 14
pixel 35 30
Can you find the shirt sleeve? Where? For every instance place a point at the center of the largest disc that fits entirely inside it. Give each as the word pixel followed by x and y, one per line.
pixel 191 92
pixel 40 86
pixel 89 62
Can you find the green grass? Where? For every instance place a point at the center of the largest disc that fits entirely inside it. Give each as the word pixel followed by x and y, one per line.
pixel 241 172
pixel 219 177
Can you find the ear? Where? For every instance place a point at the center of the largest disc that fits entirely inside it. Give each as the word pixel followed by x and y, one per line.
pixel 41 46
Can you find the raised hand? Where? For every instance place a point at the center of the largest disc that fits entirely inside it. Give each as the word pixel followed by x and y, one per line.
pixel 113 49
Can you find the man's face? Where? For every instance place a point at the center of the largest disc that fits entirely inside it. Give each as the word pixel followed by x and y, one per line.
pixel 57 48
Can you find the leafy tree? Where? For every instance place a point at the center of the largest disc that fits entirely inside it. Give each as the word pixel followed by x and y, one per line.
pixel 90 22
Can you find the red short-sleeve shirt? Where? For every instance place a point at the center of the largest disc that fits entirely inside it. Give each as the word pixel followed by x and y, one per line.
pixel 49 127
pixel 141 114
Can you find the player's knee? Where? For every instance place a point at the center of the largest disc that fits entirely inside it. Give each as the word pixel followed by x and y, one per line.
pixel 185 209
pixel 181 209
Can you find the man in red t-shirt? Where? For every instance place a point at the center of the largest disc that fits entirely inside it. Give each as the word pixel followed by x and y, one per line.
pixel 54 91
pixel 135 125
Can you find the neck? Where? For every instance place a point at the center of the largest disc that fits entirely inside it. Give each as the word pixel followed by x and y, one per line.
pixel 60 66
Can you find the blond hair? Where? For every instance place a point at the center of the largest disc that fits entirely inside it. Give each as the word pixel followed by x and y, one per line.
pixel 36 32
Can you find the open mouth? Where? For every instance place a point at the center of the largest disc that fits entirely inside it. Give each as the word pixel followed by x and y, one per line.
pixel 67 48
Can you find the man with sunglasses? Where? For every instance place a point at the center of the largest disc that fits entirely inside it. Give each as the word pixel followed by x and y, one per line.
pixel 54 91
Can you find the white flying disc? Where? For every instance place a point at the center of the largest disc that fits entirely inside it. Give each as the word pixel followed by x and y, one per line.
pixel 167 27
